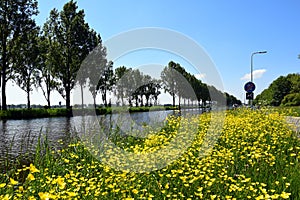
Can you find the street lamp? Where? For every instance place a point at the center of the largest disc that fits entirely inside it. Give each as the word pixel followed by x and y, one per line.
pixel 258 52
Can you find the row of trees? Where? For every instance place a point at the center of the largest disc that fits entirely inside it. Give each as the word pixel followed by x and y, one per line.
pixel 47 57
pixel 50 57
pixel 132 87
pixel 285 90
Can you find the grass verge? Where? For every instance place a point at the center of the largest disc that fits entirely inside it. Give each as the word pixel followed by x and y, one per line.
pixel 256 157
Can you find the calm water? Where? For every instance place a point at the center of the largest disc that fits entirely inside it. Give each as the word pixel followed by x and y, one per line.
pixel 20 136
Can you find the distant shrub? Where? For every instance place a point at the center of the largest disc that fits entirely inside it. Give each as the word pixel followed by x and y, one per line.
pixel 291 100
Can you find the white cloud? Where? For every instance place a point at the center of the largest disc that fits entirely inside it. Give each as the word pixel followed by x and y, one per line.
pixel 256 74
pixel 200 76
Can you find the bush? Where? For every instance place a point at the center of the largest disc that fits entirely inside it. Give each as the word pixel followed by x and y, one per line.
pixel 291 100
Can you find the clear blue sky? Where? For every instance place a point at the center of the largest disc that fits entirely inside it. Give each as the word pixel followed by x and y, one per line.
pixel 229 31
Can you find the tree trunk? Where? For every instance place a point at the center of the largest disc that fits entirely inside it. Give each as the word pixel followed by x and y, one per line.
pixel 104 98
pixel 142 100
pixel 81 91
pixel 147 101
pixel 94 98
pixel 48 98
pixel 4 67
pixel 173 100
pixel 68 105
pixel 28 99
pixel 4 106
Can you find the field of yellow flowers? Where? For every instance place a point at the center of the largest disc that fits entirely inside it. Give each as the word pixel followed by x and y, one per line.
pixel 256 156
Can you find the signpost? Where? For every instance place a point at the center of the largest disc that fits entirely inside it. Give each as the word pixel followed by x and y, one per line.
pixel 249 88
pixel 249 95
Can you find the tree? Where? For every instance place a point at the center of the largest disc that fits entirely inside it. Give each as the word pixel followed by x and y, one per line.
pixel 121 83
pixel 92 66
pixel 281 87
pixel 295 82
pixel 49 57
pixel 25 61
pixel 72 33
pixel 282 91
pixel 178 82
pixel 15 20
pixel 147 89
pixel 231 100
pixel 106 81
pixel 291 100
pixel 169 80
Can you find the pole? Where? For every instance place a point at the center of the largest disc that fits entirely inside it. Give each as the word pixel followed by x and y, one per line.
pixel 251 70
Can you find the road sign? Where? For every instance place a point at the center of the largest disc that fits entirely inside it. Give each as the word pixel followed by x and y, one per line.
pixel 249 95
pixel 249 87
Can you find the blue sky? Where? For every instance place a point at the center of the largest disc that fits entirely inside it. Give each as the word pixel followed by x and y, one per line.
pixel 229 31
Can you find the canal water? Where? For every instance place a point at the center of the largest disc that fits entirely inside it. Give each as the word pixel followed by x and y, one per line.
pixel 20 136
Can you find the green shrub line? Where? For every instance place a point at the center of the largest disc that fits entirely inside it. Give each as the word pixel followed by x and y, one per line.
pixel 63 112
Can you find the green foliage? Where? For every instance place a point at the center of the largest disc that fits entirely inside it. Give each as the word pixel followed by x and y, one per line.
pixel 285 91
pixel 247 162
pixel 75 40
pixel 51 56
pixel 291 100
pixel 15 20
pixel 231 100
pixel 33 113
pixel 25 56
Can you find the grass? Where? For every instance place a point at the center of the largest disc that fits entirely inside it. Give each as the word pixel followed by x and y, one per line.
pixel 255 157
pixel 33 113
pixel 63 112
pixel 290 111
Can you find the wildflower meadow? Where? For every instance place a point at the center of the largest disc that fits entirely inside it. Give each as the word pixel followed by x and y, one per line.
pixel 256 156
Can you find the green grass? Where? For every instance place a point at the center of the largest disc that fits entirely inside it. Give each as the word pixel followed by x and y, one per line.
pixel 62 112
pixel 289 111
pixel 33 113
pixel 256 157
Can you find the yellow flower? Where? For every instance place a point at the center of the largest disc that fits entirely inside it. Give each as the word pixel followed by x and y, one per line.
pixel 21 189
pixel 60 182
pixel 33 169
pixel 285 195
pixel 135 191
pixel 71 194
pixel 46 196
pixel 13 182
pixel 6 197
pixel 2 185
pixel 30 177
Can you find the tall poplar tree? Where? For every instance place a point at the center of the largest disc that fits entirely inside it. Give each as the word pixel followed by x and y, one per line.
pixel 25 61
pixel 73 35
pixel 15 19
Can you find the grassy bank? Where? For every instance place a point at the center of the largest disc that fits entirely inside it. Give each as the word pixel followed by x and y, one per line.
pixel 289 111
pixel 63 112
pixel 256 157
pixel 33 113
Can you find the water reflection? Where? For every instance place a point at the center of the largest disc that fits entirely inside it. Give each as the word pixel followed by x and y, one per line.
pixel 20 136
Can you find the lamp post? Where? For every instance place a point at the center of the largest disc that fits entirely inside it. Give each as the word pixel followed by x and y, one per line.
pixel 257 52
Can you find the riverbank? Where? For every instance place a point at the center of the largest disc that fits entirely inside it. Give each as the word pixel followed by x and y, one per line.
pixel 256 156
pixel 63 112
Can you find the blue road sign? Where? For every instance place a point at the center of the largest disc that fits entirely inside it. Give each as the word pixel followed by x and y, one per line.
pixel 249 87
